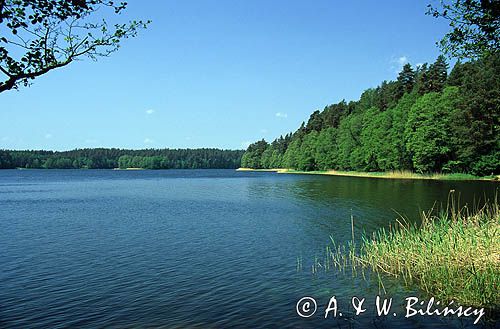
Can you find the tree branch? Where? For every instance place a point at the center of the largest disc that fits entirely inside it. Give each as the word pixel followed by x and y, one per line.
pixel 11 82
pixel 52 33
pixel 2 5
pixel 5 71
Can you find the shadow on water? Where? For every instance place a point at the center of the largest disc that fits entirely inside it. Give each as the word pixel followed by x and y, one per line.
pixel 374 203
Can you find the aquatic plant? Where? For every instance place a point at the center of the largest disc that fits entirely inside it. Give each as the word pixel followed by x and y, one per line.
pixel 451 255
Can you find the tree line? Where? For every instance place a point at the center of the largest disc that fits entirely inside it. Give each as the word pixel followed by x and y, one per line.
pixel 108 158
pixel 425 121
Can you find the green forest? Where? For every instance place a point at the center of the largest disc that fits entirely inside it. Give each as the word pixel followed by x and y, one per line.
pixel 108 158
pixel 426 121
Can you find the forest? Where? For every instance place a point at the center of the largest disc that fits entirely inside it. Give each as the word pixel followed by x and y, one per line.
pixel 109 158
pixel 425 121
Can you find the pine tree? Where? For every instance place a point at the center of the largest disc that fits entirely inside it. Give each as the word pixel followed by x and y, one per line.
pixel 421 77
pixel 439 73
pixel 315 122
pixel 406 80
pixel 436 76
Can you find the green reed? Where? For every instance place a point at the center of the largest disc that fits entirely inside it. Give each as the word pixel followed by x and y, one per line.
pixel 451 255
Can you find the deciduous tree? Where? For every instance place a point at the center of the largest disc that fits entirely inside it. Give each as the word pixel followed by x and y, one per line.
pixel 38 36
pixel 475 27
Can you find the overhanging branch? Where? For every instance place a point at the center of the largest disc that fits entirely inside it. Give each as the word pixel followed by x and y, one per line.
pixel 12 81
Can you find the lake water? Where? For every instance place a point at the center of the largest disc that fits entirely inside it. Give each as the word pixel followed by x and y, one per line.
pixel 196 248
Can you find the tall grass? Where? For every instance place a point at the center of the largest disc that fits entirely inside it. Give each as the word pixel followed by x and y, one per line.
pixel 396 174
pixel 453 255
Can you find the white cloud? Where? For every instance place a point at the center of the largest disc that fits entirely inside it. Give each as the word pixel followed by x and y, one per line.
pixel 402 60
pixel 397 63
pixel 246 144
pixel 281 115
pixel 150 111
pixel 48 136
pixel 148 141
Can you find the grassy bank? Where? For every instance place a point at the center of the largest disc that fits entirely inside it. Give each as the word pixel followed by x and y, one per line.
pixel 387 175
pixel 454 255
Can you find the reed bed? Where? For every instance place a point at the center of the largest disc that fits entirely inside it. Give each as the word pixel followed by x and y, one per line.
pixel 453 255
pixel 396 174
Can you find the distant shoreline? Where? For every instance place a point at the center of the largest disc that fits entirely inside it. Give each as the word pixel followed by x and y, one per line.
pixel 386 175
pixel 124 169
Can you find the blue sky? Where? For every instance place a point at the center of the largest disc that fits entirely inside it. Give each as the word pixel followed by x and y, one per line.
pixel 220 73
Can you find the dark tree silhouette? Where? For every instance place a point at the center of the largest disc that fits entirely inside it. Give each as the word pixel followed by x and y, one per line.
pixel 38 36
pixel 475 27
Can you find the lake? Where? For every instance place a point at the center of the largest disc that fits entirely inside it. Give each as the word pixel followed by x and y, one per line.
pixel 197 248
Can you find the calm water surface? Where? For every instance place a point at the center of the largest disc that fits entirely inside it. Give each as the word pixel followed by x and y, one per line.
pixel 195 248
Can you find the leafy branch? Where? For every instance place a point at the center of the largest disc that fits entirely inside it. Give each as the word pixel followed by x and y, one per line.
pixel 41 35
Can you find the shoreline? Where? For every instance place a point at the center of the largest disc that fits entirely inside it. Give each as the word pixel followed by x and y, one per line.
pixel 276 170
pixel 384 175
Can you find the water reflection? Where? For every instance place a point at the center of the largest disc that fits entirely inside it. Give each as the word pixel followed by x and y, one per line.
pixel 374 203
